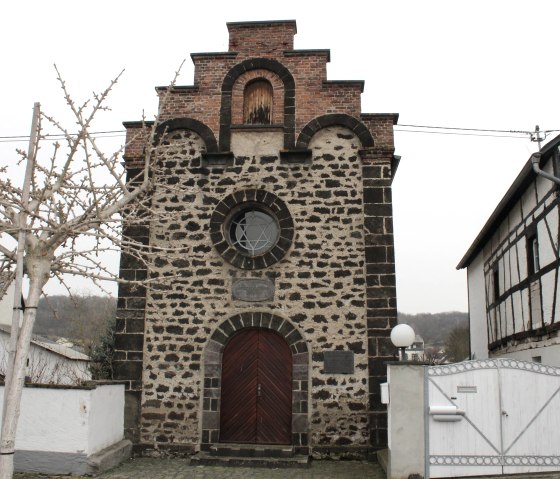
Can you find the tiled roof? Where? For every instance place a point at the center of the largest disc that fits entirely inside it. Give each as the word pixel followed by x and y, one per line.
pixel 59 349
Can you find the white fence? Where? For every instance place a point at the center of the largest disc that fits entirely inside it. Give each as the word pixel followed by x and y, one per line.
pixel 61 428
pixel 486 417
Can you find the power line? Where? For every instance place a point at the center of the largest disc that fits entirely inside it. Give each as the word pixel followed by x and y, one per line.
pixel 461 134
pixel 475 129
pixel 60 136
pixel 483 132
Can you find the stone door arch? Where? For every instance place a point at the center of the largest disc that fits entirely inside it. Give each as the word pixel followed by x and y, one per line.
pixel 211 394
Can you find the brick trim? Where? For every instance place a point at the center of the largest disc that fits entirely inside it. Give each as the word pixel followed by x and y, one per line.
pixel 340 119
pixel 289 98
pixel 189 124
pixel 212 360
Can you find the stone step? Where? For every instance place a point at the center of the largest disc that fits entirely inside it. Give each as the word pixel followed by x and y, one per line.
pixel 251 450
pixel 206 459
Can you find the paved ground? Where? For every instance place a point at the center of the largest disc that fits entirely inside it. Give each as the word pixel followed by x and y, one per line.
pixel 146 468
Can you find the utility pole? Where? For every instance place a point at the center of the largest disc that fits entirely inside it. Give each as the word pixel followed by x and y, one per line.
pixel 536 136
pixel 536 157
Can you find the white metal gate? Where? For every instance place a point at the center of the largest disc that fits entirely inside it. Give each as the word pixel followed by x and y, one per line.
pixel 495 416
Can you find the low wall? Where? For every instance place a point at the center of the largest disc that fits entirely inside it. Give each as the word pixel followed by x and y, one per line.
pixel 61 428
pixel 406 429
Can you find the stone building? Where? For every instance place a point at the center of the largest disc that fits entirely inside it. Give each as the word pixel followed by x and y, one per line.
pixel 276 191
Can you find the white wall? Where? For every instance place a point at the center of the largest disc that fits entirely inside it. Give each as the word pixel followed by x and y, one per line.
pixel 477 308
pixel 405 421
pixel 106 417
pixel 46 367
pixel 74 421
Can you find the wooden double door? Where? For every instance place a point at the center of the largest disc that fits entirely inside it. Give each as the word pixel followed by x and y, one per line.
pixel 256 400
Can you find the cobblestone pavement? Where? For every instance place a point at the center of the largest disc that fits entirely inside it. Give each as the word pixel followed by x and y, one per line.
pixel 145 468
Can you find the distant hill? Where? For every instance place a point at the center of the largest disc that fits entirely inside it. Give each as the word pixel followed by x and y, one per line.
pixel 82 319
pixel 435 328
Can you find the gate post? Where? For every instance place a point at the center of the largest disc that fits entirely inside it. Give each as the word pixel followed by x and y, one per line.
pixel 406 420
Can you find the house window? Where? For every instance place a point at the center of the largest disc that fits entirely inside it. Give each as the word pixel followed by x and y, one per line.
pixel 533 265
pixel 257 103
pixel 496 282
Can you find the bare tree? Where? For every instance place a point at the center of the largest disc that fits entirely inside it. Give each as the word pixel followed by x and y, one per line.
pixel 72 212
pixel 457 344
pixel 433 355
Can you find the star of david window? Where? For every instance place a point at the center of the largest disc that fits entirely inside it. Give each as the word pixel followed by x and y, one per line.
pixel 252 229
pixel 253 232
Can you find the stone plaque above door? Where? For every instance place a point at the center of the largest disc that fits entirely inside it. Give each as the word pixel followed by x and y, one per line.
pixel 252 289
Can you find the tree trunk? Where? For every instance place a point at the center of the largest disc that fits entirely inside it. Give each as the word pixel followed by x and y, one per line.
pixel 12 397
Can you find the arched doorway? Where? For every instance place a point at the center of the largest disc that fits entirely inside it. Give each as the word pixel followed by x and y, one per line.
pixel 256 396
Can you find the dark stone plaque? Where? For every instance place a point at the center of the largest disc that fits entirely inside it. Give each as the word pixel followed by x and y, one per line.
pixel 252 289
pixel 339 362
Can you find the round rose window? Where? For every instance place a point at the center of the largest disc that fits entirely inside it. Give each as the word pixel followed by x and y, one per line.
pixel 252 229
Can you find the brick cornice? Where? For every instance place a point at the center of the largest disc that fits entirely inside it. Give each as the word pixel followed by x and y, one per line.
pixel 346 83
pixel 177 88
pixel 379 116
pixel 377 154
pixel 305 53
pixel 137 124
pixel 214 55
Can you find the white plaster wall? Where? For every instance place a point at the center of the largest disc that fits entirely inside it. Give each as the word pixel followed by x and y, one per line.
pixel 477 308
pixel 547 288
pixel 53 420
pixel 518 311
pixel 6 306
pixel 546 247
pixel 557 318
pixel 46 367
pixel 515 215
pixel 529 200
pixel 406 421
pixel 106 417
pixel 69 420
pixel 246 143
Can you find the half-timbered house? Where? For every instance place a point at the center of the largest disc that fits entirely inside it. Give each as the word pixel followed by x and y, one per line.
pixel 513 270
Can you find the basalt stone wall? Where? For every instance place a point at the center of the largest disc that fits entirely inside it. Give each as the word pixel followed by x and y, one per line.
pixel 320 285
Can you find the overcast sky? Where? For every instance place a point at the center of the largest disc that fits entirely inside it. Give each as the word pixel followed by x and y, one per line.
pixel 469 64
